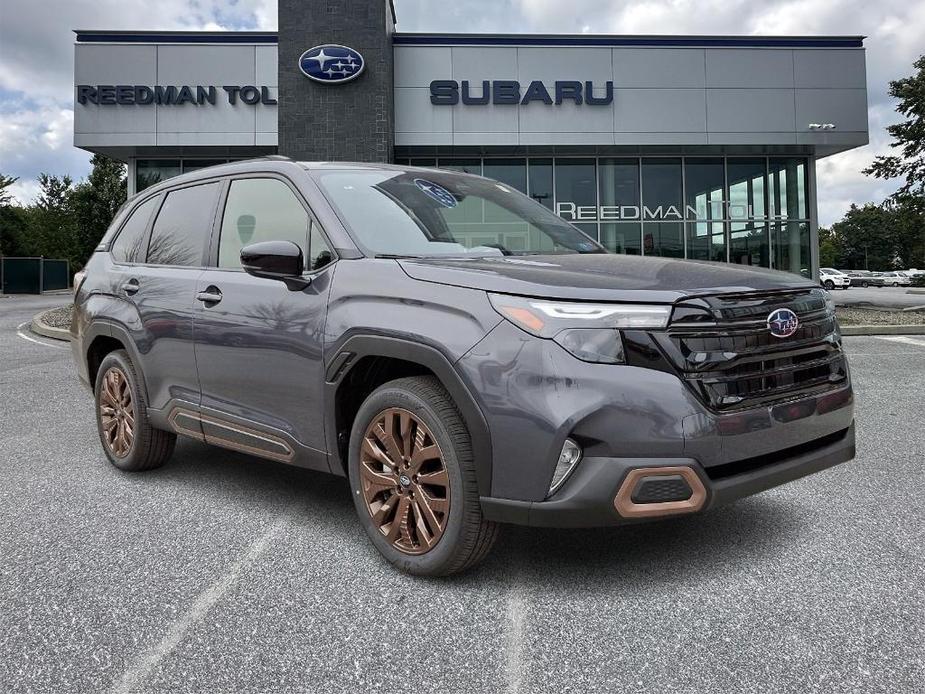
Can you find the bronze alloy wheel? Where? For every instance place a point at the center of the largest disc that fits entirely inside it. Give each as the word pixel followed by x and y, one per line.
pixel 117 412
pixel 404 481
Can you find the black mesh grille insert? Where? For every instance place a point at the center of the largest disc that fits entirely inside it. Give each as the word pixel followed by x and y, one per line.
pixel 660 488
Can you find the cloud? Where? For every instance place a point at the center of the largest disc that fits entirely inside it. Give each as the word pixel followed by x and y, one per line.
pixel 36 56
pixel 37 69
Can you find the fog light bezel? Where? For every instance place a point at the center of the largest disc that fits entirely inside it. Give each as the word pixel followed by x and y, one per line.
pixel 556 484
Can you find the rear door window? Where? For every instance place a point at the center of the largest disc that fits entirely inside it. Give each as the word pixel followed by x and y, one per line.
pixel 260 209
pixel 183 226
pixel 129 246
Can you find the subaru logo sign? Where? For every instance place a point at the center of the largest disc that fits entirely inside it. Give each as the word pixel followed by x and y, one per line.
pixel 331 63
pixel 783 322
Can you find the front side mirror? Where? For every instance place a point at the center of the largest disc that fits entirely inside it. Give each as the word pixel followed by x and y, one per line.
pixel 276 260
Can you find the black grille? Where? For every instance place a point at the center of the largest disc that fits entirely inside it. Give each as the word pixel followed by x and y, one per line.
pixel 725 352
pixel 661 488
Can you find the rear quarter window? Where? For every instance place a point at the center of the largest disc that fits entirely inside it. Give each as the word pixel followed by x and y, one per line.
pixel 130 244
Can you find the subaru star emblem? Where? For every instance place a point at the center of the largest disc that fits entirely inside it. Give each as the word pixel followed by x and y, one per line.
pixel 331 63
pixel 437 192
pixel 783 322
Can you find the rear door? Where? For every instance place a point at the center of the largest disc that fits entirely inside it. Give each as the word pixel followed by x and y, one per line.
pixel 157 275
pixel 258 343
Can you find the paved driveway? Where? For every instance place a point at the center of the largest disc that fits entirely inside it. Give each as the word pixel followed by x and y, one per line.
pixel 222 573
pixel 890 297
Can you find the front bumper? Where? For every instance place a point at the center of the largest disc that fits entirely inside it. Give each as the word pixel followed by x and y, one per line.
pixel 588 497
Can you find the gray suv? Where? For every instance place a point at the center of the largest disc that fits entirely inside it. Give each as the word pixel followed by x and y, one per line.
pixel 456 350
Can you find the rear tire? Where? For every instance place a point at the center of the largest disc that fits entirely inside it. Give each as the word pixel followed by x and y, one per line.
pixel 829 285
pixel 424 517
pixel 126 434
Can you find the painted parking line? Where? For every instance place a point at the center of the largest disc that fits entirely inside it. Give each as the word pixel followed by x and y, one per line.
pixel 905 339
pixel 145 663
pixel 22 330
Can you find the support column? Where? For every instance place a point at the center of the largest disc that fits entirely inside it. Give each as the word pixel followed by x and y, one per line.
pixel 352 121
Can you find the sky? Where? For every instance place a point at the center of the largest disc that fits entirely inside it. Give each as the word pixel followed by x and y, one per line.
pixel 37 58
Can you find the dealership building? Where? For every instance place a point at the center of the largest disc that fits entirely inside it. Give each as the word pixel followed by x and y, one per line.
pixel 702 147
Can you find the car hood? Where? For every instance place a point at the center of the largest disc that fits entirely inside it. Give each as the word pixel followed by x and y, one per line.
pixel 601 277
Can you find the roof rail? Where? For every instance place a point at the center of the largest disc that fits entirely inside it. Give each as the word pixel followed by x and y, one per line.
pixel 277 157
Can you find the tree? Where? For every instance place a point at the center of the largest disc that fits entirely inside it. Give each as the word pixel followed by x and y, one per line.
pixel 907 229
pixel 908 136
pixel 12 219
pixel 6 197
pixel 863 238
pixel 830 250
pixel 95 203
pixel 50 226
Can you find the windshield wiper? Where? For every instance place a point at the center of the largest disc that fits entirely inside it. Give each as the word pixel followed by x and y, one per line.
pixel 398 256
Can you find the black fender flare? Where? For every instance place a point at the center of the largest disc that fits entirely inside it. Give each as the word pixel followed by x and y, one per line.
pixel 356 347
pixel 100 327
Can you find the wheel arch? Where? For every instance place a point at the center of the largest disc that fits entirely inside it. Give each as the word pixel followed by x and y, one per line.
pixel 100 338
pixel 364 362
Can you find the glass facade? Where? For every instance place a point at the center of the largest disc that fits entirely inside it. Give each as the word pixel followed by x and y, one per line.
pixel 747 210
pixel 151 171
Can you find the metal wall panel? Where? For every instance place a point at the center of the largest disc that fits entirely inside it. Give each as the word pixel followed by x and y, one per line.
pixel 662 96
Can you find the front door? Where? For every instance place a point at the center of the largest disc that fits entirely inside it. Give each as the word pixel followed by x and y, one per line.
pixel 259 344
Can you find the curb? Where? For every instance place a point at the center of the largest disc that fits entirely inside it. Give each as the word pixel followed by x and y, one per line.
pixel 40 327
pixel 882 330
pixel 917 290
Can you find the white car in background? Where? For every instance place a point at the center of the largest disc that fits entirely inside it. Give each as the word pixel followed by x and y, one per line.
pixel 831 278
pixel 895 279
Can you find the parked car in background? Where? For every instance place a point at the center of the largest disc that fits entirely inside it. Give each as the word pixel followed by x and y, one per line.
pixel 895 279
pixel 831 278
pixel 864 278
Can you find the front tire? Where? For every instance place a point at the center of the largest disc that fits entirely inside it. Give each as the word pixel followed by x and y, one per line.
pixel 413 479
pixel 128 439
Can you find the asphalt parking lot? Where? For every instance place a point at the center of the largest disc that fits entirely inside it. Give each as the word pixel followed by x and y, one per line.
pixel 891 297
pixel 221 573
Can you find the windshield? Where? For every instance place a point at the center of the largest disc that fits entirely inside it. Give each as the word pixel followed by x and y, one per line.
pixel 438 213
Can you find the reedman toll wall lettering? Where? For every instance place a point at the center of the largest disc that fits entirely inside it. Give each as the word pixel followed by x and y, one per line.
pixel 143 95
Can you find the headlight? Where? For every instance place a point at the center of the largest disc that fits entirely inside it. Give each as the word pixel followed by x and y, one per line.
pixel 598 345
pixel 589 331
pixel 547 318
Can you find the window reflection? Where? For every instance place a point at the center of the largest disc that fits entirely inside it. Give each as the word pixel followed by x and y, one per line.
pixel 151 171
pixel 748 244
pixel 706 241
pixel 619 183
pixel 540 171
pixel 183 225
pixel 260 209
pixel 130 245
pixel 788 188
pixel 576 182
pixel 472 166
pixel 664 239
pixel 749 209
pixel 790 243
pixel 513 172
pixel 746 188
pixel 623 237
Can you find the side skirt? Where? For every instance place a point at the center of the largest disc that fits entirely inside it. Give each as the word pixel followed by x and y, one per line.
pixel 236 434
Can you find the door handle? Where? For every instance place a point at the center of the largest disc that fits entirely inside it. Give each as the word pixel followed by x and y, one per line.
pixel 212 295
pixel 130 287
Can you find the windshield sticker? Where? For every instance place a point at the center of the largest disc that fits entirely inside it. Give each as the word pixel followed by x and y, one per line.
pixel 437 192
